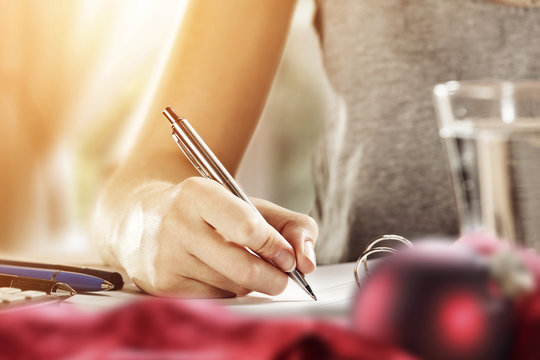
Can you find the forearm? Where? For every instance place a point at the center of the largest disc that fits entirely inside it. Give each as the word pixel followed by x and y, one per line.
pixel 221 69
pixel 219 73
pixel 218 76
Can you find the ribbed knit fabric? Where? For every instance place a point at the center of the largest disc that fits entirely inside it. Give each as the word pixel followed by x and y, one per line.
pixel 381 166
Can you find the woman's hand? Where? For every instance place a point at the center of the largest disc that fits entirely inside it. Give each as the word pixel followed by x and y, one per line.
pixel 179 235
pixel 189 240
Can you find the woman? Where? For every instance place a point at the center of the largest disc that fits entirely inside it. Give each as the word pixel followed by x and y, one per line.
pixel 381 168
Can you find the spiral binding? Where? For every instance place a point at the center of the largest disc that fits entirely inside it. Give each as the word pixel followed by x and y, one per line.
pixel 372 248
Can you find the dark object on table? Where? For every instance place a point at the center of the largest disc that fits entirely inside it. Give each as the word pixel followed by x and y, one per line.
pixel 439 302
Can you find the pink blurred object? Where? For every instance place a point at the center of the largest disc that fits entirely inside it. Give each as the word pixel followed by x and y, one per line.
pixel 527 308
pixel 177 329
pixel 436 301
pixel 480 242
pixel 487 244
pixel 473 299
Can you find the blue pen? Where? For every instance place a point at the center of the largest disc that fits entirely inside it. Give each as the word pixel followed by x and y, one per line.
pixel 79 282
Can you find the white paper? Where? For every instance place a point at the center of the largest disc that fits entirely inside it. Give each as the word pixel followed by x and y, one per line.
pixel 334 286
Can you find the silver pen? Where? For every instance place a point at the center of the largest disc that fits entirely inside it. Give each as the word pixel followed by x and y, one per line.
pixel 208 165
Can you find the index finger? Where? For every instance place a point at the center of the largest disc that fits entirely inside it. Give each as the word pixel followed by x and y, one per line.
pixel 235 220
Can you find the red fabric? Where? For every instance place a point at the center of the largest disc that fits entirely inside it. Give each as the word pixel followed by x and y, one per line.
pixel 177 329
pixel 527 308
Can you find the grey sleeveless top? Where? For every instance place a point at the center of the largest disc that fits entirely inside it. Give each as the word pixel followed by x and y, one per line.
pixel 381 167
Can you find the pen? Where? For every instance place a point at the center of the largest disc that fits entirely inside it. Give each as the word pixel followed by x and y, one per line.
pixel 112 277
pixel 26 283
pixel 208 165
pixel 79 282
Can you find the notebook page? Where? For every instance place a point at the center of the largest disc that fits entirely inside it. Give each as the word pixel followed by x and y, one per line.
pixel 334 286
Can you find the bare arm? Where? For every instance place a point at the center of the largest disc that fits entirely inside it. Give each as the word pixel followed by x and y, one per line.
pixel 218 76
pixel 179 234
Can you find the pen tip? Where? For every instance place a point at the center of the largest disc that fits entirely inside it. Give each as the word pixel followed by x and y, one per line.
pixel 310 292
pixel 106 285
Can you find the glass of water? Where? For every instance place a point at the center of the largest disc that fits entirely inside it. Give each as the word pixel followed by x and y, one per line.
pixel 492 134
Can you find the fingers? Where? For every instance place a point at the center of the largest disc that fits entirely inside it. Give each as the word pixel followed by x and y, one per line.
pixel 175 286
pixel 238 265
pixel 194 268
pixel 189 240
pixel 300 230
pixel 235 220
pixel 172 270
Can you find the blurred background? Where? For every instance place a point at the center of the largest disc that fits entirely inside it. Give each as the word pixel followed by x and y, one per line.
pixel 76 79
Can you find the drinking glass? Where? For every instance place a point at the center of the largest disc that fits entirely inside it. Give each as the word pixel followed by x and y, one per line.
pixel 492 134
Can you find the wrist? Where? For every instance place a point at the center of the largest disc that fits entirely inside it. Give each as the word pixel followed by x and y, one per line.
pixel 118 222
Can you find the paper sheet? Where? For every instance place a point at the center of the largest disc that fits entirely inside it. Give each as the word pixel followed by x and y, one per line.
pixel 334 286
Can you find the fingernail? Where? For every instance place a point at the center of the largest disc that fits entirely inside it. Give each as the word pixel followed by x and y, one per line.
pixel 285 260
pixel 310 252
